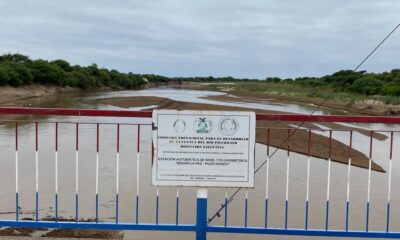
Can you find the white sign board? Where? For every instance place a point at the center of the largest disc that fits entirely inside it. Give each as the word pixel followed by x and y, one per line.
pixel 203 148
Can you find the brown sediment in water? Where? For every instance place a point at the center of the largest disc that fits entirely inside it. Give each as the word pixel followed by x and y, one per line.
pixel 278 133
pixel 327 125
pixel 81 233
pixel 84 233
pixel 127 102
pixel 17 232
pixel 61 233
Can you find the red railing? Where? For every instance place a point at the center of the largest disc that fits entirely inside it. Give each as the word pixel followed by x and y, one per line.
pixel 306 136
pixel 148 114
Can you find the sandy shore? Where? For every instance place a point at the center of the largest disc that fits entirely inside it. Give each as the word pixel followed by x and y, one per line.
pixel 278 133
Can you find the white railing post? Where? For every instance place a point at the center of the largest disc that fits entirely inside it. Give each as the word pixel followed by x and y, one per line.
pixel 201 219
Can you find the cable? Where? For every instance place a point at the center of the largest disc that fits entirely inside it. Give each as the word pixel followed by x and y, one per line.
pixel 231 198
pixel 376 48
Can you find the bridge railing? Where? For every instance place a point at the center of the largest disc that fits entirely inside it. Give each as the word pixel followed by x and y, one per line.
pixel 324 178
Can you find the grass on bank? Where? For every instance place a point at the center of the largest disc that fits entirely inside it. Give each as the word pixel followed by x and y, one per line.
pixel 298 90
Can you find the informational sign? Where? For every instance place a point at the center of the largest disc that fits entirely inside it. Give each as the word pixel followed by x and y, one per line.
pixel 203 148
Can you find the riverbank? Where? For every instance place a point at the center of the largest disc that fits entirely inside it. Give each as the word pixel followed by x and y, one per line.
pixel 11 96
pixel 338 103
pixel 278 132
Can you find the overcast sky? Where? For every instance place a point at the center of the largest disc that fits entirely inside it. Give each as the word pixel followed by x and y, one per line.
pixel 244 38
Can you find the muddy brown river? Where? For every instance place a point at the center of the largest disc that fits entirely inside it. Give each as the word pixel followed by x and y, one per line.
pixel 128 163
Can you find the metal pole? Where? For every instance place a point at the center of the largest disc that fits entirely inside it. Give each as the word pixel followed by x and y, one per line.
pixel 37 173
pixel 16 174
pixel 97 172
pixel 201 220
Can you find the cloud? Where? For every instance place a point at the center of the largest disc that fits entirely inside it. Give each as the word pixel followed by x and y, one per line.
pixel 251 39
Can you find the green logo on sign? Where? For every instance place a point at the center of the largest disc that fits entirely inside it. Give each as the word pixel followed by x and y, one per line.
pixel 203 125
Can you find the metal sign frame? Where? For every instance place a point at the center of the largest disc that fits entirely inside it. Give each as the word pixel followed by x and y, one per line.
pixel 203 148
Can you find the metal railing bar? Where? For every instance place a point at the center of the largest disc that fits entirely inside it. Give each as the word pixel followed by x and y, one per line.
pixel 97 170
pixel 36 172
pixel 100 225
pixel 157 204
pixel 148 114
pixel 246 200
pixel 77 174
pixel 117 179
pixel 308 179
pixel 226 208
pixel 348 182
pixel 389 183
pixel 266 181
pixel 287 180
pixel 22 121
pixel 328 181
pixel 177 207
pixel 369 183
pixel 149 124
pixel 328 118
pixel 302 232
pixel 56 174
pixel 329 129
pixel 137 173
pixel 74 112
pixel 16 174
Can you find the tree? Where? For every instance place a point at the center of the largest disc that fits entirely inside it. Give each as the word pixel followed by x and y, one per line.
pixel 395 72
pixel 273 79
pixel 4 75
pixel 64 65
pixel 46 73
pixel 367 85
pixel 19 58
pixel 18 69
pixel 15 74
pixel 84 80
pixel 343 79
pixel 393 90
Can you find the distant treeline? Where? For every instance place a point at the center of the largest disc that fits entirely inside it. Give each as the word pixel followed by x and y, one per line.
pixel 386 83
pixel 362 82
pixel 19 70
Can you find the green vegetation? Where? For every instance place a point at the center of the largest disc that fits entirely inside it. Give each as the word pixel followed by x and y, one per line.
pixel 18 70
pixel 344 85
pixel 386 83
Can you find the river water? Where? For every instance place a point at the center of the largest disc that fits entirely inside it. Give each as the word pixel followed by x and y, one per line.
pixel 127 184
